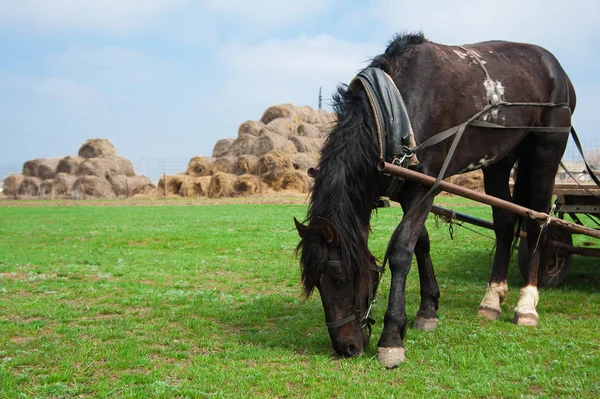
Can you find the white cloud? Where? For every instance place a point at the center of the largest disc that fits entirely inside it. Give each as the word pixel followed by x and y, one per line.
pixel 278 71
pixel 85 15
pixel 270 12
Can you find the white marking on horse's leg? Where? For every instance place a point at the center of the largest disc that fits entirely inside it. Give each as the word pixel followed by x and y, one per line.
pixel 525 313
pixel 495 295
pixel 390 357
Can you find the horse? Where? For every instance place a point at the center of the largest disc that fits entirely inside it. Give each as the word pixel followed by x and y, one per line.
pixel 442 87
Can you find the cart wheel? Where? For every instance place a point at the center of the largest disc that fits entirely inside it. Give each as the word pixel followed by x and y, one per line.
pixel 554 262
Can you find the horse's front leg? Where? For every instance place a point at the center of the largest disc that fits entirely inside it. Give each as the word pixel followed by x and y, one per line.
pixel 427 317
pixel 390 350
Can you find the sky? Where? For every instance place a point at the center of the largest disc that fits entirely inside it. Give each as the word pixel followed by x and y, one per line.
pixel 169 78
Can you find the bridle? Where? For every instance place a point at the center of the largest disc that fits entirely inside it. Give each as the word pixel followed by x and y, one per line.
pixel 364 319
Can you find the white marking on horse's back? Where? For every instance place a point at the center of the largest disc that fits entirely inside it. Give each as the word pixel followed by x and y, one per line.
pixel 460 54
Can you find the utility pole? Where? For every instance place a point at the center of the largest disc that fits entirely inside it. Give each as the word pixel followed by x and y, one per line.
pixel 320 97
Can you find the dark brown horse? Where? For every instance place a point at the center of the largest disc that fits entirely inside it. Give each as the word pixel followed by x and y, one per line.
pixel 442 86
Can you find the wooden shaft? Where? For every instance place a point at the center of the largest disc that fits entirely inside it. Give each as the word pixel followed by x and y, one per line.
pixel 541 217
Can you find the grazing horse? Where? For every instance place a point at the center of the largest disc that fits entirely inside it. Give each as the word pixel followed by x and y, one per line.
pixel 441 87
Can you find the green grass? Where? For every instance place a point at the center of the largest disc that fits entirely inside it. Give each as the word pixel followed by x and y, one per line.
pixel 205 301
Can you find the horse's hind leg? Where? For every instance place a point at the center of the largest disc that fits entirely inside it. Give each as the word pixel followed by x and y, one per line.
pixel 496 184
pixel 427 318
pixel 537 178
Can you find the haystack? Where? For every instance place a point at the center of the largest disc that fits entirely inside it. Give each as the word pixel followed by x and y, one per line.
pixel 106 166
pixel 269 141
pixel 250 127
pixel 224 164
pixel 173 183
pixel 274 163
pixel 246 164
pixel 277 111
pixel 11 183
pixel 285 127
pixel 303 161
pixel 94 148
pixel 307 144
pixel 200 166
pixel 195 186
pixel 472 180
pixel 128 185
pixel 307 130
pixel 222 148
pixel 30 187
pixel 47 188
pixel 247 184
pixel 63 184
pixel 244 144
pixel 69 165
pixel 272 167
pixel 294 180
pixel 44 168
pixel 92 186
pixel 221 185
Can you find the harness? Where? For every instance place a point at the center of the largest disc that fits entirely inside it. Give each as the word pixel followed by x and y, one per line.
pixel 364 319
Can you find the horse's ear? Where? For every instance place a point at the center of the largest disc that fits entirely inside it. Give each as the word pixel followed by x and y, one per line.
pixel 327 231
pixel 300 227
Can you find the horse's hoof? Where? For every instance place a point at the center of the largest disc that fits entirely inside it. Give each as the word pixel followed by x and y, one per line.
pixel 390 357
pixel 488 313
pixel 525 319
pixel 425 324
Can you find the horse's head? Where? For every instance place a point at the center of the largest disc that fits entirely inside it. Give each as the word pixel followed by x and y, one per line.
pixel 346 292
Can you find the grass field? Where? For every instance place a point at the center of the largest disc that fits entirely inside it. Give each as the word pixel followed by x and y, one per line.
pixel 205 301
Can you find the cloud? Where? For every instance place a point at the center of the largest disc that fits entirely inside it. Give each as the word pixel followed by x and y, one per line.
pixel 116 16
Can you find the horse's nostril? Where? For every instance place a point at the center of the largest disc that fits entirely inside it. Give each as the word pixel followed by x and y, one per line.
pixel 352 350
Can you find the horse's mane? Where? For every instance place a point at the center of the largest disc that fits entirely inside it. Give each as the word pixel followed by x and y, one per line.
pixel 347 183
pixel 397 48
pixel 344 189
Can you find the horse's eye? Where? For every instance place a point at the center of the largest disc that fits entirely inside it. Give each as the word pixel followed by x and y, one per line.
pixel 336 272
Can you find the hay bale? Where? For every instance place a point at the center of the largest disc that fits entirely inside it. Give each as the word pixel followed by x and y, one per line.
pixel 222 148
pixel 303 161
pixel 145 189
pixel 94 148
pixel 225 164
pixel 221 185
pixel 244 144
pixel 247 184
pixel 285 127
pixel 200 166
pixel 276 112
pixel 307 144
pixel 250 127
pixel 69 165
pixel 173 184
pixel 471 180
pixel 11 183
pixel 194 186
pixel 63 184
pixel 269 141
pixel 106 167
pixel 127 185
pixel 29 187
pixel 46 188
pixel 246 164
pixel 307 130
pixel 44 168
pixel 272 167
pixel 294 180
pixel 92 186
